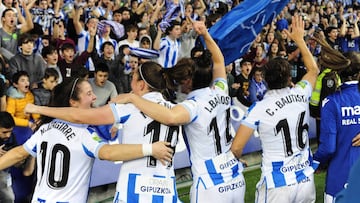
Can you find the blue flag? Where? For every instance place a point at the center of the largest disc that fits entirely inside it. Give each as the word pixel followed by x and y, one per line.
pixel 236 30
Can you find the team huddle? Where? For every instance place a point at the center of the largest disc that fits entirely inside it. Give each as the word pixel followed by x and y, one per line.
pixel 69 140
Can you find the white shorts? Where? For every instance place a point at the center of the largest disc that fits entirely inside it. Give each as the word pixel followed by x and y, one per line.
pixel 230 192
pixel 328 198
pixel 303 192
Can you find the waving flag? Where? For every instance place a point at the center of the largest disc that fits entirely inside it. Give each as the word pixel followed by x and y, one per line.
pixel 236 30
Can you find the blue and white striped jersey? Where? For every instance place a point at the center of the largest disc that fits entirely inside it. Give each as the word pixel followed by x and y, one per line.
pixel 65 154
pixel 145 179
pixel 209 135
pixel 282 120
pixel 82 45
pixel 169 52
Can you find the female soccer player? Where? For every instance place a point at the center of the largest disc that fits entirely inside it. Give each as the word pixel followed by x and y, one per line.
pixel 282 121
pixel 65 151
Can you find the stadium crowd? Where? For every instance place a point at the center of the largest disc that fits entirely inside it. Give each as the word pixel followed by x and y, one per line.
pixel 44 43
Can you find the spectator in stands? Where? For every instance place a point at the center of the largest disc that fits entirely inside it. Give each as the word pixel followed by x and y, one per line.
pixel 9 33
pixel 103 89
pixel 168 46
pixel 131 35
pixel 331 34
pixel 349 36
pixel 43 92
pixel 50 55
pixel 18 96
pixel 7 141
pixel 257 85
pixel 43 15
pixel 27 61
pixel 69 65
pixel 243 79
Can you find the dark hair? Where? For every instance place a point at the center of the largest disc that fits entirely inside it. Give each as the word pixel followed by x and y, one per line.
pixel 202 76
pixel 173 23
pixel 17 75
pixel 277 73
pixel 48 50
pixel 83 72
pixel 103 67
pixel 25 38
pixel 104 44
pixel 51 72
pixel 66 46
pixel 6 120
pixel 212 19
pixel 153 75
pixel 61 95
pixel 131 27
pixel 117 11
pixel 196 49
pixel 37 30
pixel 329 29
pixel 5 11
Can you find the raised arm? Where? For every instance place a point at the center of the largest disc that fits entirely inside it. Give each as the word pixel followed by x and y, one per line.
pixel 217 56
pixel 76 21
pixel 297 34
pixel 28 20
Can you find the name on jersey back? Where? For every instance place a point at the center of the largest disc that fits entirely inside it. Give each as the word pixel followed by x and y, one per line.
pixel 63 127
pixel 283 101
pixel 218 99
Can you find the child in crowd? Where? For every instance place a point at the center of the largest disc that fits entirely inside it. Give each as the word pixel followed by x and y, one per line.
pixel 51 56
pixel 43 92
pixel 18 96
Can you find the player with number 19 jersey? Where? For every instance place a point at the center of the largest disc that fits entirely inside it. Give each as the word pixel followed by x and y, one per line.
pixel 282 120
pixel 145 179
pixel 65 152
pixel 209 138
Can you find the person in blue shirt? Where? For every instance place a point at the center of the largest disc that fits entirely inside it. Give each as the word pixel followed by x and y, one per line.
pixel 339 121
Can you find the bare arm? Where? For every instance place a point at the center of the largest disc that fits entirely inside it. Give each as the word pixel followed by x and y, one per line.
pixel 242 136
pixel 12 157
pixel 356 28
pixel 91 44
pixel 342 32
pixel 175 116
pixel 28 21
pixel 155 15
pixel 297 34
pixel 156 44
pixel 76 21
pixel 94 116
pixel 217 56
pixel 56 34
pixel 125 152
